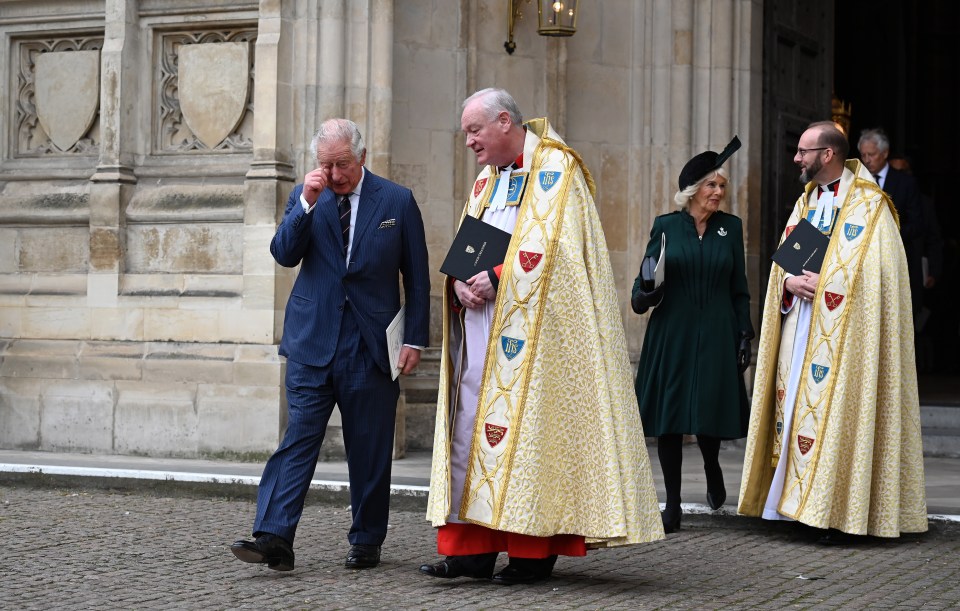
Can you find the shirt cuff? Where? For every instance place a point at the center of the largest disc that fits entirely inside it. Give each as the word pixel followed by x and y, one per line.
pixel 306 207
pixel 415 347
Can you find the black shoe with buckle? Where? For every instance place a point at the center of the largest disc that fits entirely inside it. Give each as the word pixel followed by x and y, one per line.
pixel 276 552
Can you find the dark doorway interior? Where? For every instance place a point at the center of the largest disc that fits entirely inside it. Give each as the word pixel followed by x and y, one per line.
pixel 897 64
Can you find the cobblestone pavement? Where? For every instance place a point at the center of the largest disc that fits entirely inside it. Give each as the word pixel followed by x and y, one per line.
pixel 83 548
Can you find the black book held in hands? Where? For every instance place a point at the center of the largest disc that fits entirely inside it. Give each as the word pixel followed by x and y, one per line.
pixel 477 247
pixel 802 250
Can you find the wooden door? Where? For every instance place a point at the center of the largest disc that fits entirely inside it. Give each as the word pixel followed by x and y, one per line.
pixel 797 88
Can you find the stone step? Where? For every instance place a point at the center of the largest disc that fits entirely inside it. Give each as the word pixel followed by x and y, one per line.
pixel 937 416
pixel 943 445
pixel 941 430
pixel 421 418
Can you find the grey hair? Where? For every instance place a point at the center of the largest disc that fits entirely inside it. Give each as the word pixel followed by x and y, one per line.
pixel 682 198
pixel 877 136
pixel 338 130
pixel 494 101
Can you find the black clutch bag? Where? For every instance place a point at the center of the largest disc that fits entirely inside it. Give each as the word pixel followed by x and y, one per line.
pixel 648 269
pixel 648 294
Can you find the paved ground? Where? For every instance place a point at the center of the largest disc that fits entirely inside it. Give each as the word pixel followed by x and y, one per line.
pixel 93 549
pixel 114 532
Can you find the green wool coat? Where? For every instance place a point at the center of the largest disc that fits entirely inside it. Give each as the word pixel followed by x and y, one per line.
pixel 687 379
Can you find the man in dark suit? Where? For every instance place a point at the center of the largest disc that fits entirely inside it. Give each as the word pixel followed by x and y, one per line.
pixel 353 234
pixel 874 146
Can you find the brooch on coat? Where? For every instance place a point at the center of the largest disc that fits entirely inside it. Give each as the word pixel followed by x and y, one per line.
pixel 721 232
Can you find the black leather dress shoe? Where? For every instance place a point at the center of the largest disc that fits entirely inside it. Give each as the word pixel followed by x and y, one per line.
pixel 267 549
pixel 838 537
pixel 363 556
pixel 525 570
pixel 478 566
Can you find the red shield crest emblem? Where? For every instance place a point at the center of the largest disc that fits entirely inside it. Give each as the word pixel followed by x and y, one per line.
pixel 832 300
pixel 495 434
pixel 478 186
pixel 529 260
pixel 805 443
pixel 780 394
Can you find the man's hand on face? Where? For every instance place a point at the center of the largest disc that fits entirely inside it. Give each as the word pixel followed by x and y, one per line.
pixel 313 184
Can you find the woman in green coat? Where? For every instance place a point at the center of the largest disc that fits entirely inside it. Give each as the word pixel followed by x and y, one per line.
pixel 697 345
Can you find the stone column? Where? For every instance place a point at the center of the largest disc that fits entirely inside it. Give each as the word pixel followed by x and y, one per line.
pixel 268 182
pixel 271 174
pixel 330 74
pixel 353 73
pixel 557 83
pixel 109 187
pixel 380 87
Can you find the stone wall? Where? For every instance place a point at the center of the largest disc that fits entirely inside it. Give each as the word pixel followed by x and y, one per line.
pixel 149 145
pixel 137 298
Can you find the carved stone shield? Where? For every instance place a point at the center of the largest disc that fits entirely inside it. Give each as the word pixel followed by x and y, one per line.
pixel 67 94
pixel 213 80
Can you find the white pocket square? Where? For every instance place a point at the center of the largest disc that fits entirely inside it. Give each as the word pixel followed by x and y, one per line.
pixel 387 223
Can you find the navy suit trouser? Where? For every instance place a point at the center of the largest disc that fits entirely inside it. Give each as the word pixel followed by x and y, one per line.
pixel 367 398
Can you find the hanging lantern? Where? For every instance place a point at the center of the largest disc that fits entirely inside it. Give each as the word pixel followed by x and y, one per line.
pixel 557 18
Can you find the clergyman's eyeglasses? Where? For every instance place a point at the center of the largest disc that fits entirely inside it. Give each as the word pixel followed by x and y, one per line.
pixel 803 152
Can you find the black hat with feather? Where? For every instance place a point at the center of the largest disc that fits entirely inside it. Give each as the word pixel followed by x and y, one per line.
pixel 706 162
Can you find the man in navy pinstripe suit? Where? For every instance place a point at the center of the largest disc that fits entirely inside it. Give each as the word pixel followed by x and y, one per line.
pixel 353 234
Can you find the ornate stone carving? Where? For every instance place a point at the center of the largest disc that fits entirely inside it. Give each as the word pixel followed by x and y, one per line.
pixel 75 132
pixel 182 89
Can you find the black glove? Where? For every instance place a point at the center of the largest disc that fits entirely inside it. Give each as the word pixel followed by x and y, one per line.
pixel 641 300
pixel 743 351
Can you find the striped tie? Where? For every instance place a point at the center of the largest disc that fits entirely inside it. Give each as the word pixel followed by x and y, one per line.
pixel 343 207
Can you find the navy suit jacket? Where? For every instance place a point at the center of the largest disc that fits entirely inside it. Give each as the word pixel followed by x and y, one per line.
pixel 903 190
pixel 388 242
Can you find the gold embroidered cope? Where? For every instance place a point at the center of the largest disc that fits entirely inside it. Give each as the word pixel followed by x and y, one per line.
pixel 558 447
pixel 855 460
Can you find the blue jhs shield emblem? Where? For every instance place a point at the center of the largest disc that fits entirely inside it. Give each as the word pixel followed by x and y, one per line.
pixel 515 189
pixel 819 372
pixel 511 346
pixel 548 179
pixel 851 231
